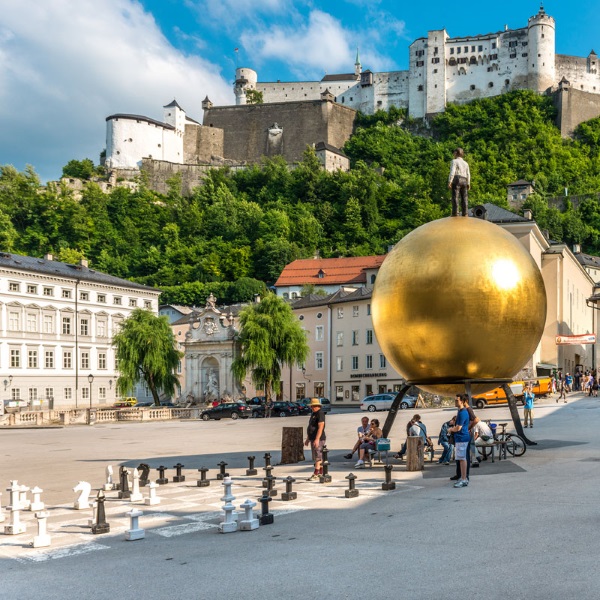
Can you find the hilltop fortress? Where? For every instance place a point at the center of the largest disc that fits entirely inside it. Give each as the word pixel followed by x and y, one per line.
pixel 321 113
pixel 443 69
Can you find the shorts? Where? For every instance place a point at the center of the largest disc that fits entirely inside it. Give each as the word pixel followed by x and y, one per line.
pixel 317 453
pixel 460 450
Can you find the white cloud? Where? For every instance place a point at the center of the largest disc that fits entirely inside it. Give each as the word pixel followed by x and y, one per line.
pixel 232 12
pixel 322 44
pixel 67 64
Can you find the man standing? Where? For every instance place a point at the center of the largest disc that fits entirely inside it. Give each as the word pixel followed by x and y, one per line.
pixel 315 436
pixel 459 181
pixel 461 439
pixel 529 398
pixel 473 420
pixel 361 431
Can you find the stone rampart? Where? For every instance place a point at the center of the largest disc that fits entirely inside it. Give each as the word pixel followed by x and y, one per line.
pixel 574 107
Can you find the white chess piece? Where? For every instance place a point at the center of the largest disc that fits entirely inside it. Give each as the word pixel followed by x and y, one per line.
pixel 152 498
pixel 42 539
pixel 15 527
pixel 136 495
pixel 134 532
pixel 83 500
pixel 110 484
pixel 36 504
pixel 249 522
pixel 2 517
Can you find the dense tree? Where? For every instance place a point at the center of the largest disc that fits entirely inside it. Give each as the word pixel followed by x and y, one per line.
pixel 270 337
pixel 145 351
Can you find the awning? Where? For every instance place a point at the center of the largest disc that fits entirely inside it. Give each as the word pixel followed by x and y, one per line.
pixel 546 366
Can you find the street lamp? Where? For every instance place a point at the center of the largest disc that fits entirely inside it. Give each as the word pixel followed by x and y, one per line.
pixel 90 379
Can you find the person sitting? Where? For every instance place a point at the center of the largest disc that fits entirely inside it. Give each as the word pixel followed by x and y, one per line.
pixel 445 440
pixel 402 452
pixel 369 443
pixel 483 436
pixel 361 431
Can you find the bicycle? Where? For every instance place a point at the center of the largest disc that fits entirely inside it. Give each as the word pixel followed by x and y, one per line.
pixel 515 444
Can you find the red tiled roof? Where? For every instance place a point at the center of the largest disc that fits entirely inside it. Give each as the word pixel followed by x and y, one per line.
pixel 334 270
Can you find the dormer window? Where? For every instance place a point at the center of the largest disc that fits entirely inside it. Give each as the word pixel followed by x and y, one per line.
pixel 321 274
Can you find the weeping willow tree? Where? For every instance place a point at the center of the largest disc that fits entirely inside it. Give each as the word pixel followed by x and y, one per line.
pixel 145 351
pixel 270 337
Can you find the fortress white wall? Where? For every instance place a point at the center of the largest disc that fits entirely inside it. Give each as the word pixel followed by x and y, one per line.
pixel 128 140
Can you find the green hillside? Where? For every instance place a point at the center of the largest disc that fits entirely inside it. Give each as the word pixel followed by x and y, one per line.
pixel 239 230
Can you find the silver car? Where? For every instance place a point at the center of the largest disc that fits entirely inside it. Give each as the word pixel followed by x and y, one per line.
pixel 384 402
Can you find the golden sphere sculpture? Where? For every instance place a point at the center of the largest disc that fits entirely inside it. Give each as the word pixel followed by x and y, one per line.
pixel 458 298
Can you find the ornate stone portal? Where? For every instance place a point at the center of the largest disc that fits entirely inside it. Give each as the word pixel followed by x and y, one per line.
pixel 209 351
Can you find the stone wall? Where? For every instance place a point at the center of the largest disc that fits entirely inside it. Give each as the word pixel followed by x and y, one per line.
pixel 249 131
pixel 574 107
pixel 201 144
pixel 192 176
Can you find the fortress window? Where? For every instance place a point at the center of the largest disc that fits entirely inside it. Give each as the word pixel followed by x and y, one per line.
pixel 420 63
pixel 435 70
pixel 420 88
pixel 525 54
pixel 451 50
pixel 435 51
pixel 543 35
pixel 466 49
pixel 351 99
pixel 118 152
pixel 480 48
pixel 493 45
pixel 435 61
pixel 524 43
pixel 130 140
pixel 512 44
pixel 491 84
pixel 159 145
pixel 513 56
pixel 472 48
pixel 507 82
pixel 472 88
pixel 458 50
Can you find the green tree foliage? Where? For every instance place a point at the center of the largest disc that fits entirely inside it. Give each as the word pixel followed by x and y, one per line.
pixel 270 337
pixel 145 351
pixel 81 169
pixel 254 97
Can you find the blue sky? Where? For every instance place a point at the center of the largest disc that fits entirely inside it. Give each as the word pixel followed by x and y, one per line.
pixel 67 64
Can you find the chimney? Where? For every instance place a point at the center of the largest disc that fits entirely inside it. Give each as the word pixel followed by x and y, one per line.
pixel 576 248
pixel 528 214
pixel 48 256
pixel 83 262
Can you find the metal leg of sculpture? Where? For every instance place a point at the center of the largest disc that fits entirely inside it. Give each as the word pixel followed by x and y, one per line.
pixel 394 410
pixel 514 413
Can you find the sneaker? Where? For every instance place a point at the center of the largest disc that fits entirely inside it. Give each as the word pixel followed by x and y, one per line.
pixel 461 483
pixel 313 477
pixel 348 456
pixel 360 464
pixel 446 463
pixel 455 478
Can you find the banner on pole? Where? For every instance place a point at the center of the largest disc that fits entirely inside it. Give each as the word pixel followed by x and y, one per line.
pixel 586 338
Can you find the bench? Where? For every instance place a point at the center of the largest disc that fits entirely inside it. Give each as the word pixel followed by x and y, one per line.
pixel 496 444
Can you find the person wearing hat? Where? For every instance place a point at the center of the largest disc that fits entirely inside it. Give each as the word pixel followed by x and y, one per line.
pixel 315 436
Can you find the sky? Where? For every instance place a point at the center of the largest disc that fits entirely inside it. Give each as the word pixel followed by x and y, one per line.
pixel 65 65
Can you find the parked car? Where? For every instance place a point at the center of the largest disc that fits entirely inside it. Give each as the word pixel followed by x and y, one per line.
pixel 123 404
pixel 280 409
pixel 325 403
pixel 256 401
pixel 384 402
pixel 303 409
pixel 227 410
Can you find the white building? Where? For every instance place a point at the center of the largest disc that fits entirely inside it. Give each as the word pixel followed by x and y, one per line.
pixel 57 321
pixel 443 69
pixel 129 138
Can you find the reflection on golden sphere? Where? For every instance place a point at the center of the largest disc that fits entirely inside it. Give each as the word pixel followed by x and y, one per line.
pixel 458 298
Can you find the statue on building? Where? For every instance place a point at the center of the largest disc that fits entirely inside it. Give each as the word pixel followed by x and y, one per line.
pixel 209 326
pixel 211 391
pixel 211 301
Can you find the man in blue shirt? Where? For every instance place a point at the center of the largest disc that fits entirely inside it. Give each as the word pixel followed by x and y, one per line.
pixel 461 439
pixel 529 398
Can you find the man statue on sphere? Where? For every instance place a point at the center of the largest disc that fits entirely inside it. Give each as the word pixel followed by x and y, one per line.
pixel 459 182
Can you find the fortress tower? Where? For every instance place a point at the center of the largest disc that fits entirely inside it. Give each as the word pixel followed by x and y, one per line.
pixel 541 31
pixel 245 79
